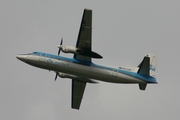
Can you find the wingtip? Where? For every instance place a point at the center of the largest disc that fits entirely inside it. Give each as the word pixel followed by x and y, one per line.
pixel 87 9
pixel 75 108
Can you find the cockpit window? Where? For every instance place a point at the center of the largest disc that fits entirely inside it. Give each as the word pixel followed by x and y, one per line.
pixel 36 53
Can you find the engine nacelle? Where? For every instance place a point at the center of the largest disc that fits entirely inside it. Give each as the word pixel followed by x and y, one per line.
pixel 78 51
pixel 68 49
pixel 65 75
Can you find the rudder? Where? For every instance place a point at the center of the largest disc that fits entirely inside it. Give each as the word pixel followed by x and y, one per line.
pixel 153 63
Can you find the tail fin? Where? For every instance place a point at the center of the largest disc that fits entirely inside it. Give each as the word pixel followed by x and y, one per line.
pixel 148 66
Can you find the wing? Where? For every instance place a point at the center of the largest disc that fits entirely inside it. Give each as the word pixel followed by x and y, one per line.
pixel 84 37
pixel 78 88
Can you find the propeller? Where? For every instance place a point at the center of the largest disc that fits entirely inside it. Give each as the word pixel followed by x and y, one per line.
pixel 56 76
pixel 58 55
pixel 60 46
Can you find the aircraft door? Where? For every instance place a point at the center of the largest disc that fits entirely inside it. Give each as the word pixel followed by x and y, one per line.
pixel 42 57
pixel 114 72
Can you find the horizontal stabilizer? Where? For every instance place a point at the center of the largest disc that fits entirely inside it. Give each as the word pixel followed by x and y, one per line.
pixel 142 86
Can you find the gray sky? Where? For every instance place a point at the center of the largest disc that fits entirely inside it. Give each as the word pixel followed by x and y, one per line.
pixel 123 33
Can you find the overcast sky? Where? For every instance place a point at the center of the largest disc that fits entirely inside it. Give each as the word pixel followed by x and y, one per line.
pixel 124 31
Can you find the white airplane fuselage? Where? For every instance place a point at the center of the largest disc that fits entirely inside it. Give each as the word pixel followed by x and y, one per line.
pixel 81 70
pixel 84 69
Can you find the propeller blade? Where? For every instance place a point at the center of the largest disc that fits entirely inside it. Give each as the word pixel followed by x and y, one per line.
pixel 59 51
pixel 60 45
pixel 56 76
pixel 58 55
pixel 61 41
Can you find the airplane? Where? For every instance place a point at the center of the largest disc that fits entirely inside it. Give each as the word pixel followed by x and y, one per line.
pixel 82 70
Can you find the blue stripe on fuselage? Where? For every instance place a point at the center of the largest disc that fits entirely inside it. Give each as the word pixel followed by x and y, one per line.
pixel 147 79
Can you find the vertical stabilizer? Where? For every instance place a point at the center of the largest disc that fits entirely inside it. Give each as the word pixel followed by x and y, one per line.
pixel 148 66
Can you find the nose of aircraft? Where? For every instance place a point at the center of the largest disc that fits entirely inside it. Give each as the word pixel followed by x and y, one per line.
pixel 22 57
pixel 19 57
